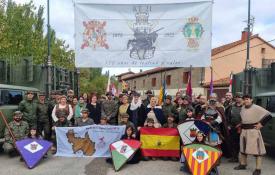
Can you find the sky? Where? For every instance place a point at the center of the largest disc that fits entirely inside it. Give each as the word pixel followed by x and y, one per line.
pixel 228 21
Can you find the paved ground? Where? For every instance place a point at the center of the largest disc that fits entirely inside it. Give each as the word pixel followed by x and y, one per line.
pixel 89 166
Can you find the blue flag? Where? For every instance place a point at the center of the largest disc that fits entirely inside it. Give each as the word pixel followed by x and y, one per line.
pixel 32 150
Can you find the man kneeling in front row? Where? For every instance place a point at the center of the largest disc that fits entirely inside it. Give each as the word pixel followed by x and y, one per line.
pixel 19 129
pixel 253 118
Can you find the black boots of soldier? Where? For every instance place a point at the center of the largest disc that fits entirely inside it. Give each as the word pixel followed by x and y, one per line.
pixel 240 167
pixel 257 172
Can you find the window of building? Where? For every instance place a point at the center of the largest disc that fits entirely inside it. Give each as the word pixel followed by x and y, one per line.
pixel 168 80
pixel 185 77
pixel 263 50
pixel 143 83
pixel 135 83
pixel 154 82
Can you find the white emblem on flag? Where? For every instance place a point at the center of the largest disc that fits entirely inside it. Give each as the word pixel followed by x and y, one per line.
pixel 200 155
pixel 123 148
pixel 33 147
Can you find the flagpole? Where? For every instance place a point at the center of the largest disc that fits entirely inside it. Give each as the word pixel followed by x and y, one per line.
pixel 211 82
pixel 8 127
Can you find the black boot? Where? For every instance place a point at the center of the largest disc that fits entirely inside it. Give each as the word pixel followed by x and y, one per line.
pixel 240 167
pixel 257 172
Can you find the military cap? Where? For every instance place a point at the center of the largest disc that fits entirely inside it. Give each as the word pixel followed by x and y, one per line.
pixel 185 97
pixel 42 94
pixel 53 92
pixel 124 115
pixel 239 95
pixel 168 97
pixel 70 91
pixel 148 92
pixel 29 92
pixel 58 93
pixel 150 120
pixel 103 117
pixel 85 110
pixel 17 113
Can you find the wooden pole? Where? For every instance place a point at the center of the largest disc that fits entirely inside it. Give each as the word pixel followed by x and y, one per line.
pixel 7 125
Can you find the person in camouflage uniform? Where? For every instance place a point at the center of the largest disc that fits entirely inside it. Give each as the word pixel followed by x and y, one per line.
pixel 168 107
pixel 19 129
pixel 43 113
pixel 109 109
pixel 28 108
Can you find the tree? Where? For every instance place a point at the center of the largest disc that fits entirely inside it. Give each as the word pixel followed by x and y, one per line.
pixel 92 80
pixel 22 35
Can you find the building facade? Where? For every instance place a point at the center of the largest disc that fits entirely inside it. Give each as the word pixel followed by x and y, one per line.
pixel 226 59
pixel 176 80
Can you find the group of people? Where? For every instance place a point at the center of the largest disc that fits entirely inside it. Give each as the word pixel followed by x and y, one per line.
pixel 236 119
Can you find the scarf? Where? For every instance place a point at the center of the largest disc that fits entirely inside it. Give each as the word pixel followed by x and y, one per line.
pixel 134 105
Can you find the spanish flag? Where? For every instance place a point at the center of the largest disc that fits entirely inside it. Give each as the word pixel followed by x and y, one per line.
pixel 160 142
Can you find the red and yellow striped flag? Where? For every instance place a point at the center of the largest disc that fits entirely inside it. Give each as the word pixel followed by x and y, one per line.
pixel 160 142
pixel 201 158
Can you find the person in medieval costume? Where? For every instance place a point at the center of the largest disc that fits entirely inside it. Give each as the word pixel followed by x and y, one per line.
pixel 253 118
pixel 214 119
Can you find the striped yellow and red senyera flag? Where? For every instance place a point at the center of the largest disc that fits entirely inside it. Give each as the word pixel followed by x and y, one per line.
pixel 201 158
pixel 160 142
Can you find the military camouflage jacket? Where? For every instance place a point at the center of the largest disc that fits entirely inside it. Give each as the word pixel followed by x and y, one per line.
pixel 42 112
pixel 109 108
pixel 19 131
pixel 28 108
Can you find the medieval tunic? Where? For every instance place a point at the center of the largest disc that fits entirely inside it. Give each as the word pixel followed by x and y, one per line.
pixel 251 141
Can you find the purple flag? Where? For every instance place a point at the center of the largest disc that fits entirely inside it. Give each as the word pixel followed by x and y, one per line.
pixel 32 150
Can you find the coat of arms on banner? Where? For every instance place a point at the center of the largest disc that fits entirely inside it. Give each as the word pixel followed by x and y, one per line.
pixel 188 130
pixel 193 32
pixel 32 150
pixel 94 35
pixel 143 45
pixel 201 158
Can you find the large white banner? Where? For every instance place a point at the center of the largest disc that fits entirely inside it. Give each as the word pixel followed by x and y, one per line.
pixel 126 33
pixel 93 140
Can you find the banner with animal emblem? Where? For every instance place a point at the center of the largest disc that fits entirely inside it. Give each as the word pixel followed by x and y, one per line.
pixel 201 158
pixel 188 130
pixel 32 150
pixel 144 33
pixel 93 140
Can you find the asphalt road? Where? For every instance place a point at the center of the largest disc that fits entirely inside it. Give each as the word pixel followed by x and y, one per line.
pixel 90 166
